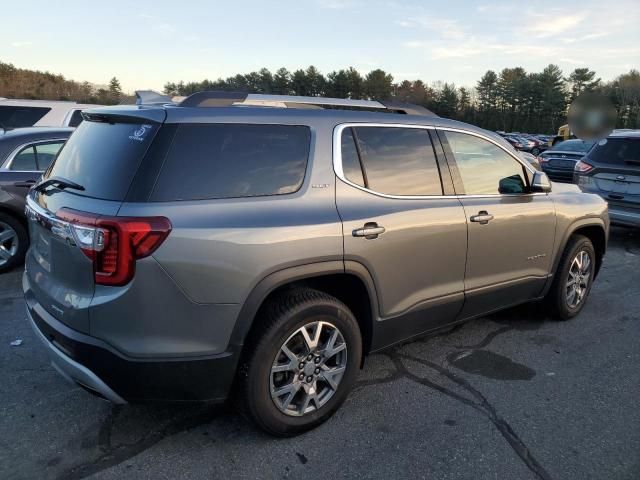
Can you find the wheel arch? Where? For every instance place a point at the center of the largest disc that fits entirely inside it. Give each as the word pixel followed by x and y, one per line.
pixel 349 282
pixel 596 231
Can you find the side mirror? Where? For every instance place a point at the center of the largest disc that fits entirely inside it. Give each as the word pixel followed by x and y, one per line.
pixel 540 183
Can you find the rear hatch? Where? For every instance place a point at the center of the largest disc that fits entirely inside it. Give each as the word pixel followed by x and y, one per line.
pixel 89 180
pixel 563 160
pixel 616 173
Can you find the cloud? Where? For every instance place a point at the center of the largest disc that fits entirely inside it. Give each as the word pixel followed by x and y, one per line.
pixel 413 44
pixel 338 4
pixel 21 44
pixel 573 61
pixel 443 27
pixel 554 23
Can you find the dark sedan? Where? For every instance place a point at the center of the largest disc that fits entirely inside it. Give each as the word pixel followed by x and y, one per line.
pixel 558 162
pixel 24 154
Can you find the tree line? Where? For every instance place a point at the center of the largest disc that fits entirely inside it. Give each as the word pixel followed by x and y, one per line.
pixel 510 100
pixel 37 85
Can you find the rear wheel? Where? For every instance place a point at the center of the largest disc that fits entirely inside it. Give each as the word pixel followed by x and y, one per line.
pixel 574 278
pixel 304 361
pixel 13 242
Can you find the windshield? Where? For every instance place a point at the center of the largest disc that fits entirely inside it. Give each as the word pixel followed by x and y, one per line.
pixel 103 157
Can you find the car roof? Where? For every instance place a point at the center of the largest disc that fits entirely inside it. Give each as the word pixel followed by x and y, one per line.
pixel 27 132
pixel 625 133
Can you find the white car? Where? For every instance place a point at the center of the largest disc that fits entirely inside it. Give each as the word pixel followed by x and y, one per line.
pixel 16 113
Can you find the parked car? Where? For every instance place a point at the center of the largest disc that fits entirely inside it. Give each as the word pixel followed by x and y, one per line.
pixel 612 170
pixel 559 161
pixel 180 249
pixel 24 154
pixel 16 113
pixel 537 145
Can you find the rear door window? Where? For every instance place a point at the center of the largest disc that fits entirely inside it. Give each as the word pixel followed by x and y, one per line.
pixel 18 117
pixel 397 161
pixel 103 157
pixel 233 160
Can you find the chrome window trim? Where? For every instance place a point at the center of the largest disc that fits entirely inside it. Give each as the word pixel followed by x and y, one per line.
pixel 337 161
pixel 8 162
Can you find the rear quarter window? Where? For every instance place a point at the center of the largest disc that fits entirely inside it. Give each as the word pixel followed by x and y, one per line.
pixel 233 160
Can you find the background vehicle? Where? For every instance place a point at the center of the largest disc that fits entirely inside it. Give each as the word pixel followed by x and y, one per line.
pixel 24 154
pixel 289 242
pixel 559 161
pixel 612 170
pixel 564 133
pixel 15 113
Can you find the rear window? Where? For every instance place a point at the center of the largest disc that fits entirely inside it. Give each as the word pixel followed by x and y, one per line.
pixel 579 146
pixel 103 157
pixel 233 160
pixel 617 151
pixel 18 117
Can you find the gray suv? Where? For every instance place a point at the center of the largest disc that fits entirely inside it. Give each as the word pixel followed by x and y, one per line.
pixel 264 245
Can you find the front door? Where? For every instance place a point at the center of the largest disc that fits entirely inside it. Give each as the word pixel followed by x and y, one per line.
pixel 511 230
pixel 398 224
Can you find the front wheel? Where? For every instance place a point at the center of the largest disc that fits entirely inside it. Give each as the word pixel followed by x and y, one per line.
pixel 306 352
pixel 574 278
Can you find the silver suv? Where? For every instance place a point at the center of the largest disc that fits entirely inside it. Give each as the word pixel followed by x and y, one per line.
pixel 264 245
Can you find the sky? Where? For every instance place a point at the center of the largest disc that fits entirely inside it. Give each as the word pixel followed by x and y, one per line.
pixel 146 44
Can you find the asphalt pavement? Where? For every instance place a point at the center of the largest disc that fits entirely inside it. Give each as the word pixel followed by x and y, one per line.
pixel 510 396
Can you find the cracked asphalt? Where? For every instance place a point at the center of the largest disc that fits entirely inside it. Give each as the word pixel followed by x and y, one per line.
pixel 511 396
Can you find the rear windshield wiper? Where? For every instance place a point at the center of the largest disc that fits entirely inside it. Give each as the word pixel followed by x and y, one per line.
pixel 58 182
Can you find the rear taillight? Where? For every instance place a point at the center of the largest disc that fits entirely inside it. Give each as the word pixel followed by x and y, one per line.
pixel 582 167
pixel 115 243
pixel 542 159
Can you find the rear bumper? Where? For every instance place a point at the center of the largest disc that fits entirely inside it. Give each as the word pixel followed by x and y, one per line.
pixel 97 366
pixel 73 371
pixel 558 175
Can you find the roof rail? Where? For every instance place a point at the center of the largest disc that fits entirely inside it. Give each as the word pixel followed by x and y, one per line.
pixel 149 97
pixel 225 99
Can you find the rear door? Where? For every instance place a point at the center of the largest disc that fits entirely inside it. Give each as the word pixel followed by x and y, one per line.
pixel 511 231
pixel 399 224
pixel 102 157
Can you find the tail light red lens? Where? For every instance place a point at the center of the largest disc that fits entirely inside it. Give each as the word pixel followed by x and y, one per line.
pixel 582 167
pixel 115 243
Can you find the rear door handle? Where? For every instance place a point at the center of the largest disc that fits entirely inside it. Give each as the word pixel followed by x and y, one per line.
pixel 483 217
pixel 370 231
pixel 26 184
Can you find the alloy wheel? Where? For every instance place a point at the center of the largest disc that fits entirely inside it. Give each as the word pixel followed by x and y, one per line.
pixel 308 368
pixel 579 277
pixel 9 243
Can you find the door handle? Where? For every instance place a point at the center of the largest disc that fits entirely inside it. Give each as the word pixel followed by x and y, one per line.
pixel 26 184
pixel 482 217
pixel 370 231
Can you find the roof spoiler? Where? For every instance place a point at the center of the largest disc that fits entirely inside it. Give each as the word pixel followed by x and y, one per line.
pixel 149 97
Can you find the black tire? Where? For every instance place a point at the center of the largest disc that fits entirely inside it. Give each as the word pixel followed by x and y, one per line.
pixel 535 151
pixel 557 296
pixel 23 242
pixel 277 322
